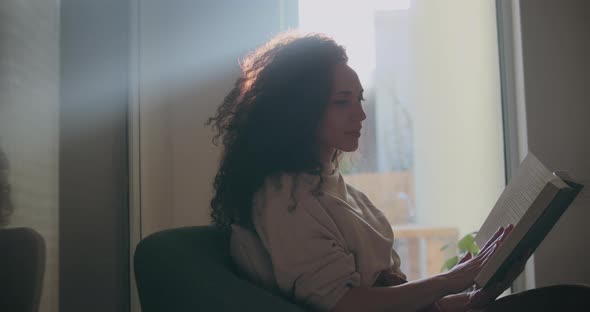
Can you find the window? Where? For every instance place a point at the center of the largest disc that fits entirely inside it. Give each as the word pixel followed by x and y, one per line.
pixel 431 155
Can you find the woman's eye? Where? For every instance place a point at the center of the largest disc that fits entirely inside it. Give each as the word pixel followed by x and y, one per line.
pixel 341 102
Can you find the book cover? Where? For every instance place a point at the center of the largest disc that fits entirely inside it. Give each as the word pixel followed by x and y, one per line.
pixel 533 201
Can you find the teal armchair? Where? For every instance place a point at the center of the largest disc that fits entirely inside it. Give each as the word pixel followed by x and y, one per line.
pixel 190 269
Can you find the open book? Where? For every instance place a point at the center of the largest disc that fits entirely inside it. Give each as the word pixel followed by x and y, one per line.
pixel 534 199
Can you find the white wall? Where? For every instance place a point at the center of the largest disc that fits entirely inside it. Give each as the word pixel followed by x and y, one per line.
pixel 188 61
pixel 556 57
pixel 459 162
pixel 29 123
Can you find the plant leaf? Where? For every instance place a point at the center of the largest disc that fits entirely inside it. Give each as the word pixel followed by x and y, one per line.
pixel 450 263
pixel 466 242
pixel 474 249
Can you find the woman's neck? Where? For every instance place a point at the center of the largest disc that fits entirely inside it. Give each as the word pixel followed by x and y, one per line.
pixel 327 157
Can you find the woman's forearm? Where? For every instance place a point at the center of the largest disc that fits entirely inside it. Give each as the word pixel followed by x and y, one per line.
pixel 410 296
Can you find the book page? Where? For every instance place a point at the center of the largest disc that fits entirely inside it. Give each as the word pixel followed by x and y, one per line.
pixel 517 235
pixel 516 198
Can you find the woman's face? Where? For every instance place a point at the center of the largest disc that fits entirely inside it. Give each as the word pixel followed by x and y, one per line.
pixel 341 127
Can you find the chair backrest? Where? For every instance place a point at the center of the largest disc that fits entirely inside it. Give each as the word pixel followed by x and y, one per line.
pixel 22 265
pixel 190 269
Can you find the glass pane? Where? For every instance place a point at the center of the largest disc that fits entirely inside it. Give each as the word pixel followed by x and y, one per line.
pixel 431 152
pixel 29 128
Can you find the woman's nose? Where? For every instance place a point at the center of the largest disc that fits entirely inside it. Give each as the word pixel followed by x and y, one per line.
pixel 359 113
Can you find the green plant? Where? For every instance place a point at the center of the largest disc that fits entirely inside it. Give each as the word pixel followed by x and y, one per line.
pixel 465 244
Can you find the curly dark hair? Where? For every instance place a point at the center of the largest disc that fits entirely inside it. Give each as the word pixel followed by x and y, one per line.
pixel 269 121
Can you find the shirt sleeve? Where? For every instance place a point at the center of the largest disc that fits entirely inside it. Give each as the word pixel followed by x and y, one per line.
pixel 308 255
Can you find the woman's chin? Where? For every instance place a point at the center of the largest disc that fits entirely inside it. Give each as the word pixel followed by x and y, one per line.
pixel 350 147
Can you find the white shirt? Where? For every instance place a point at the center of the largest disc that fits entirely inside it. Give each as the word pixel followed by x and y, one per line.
pixel 318 250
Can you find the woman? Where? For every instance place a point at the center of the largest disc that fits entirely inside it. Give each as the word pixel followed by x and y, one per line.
pixel 297 227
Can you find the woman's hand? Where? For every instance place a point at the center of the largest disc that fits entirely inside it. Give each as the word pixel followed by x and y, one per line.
pixel 462 276
pixel 479 298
